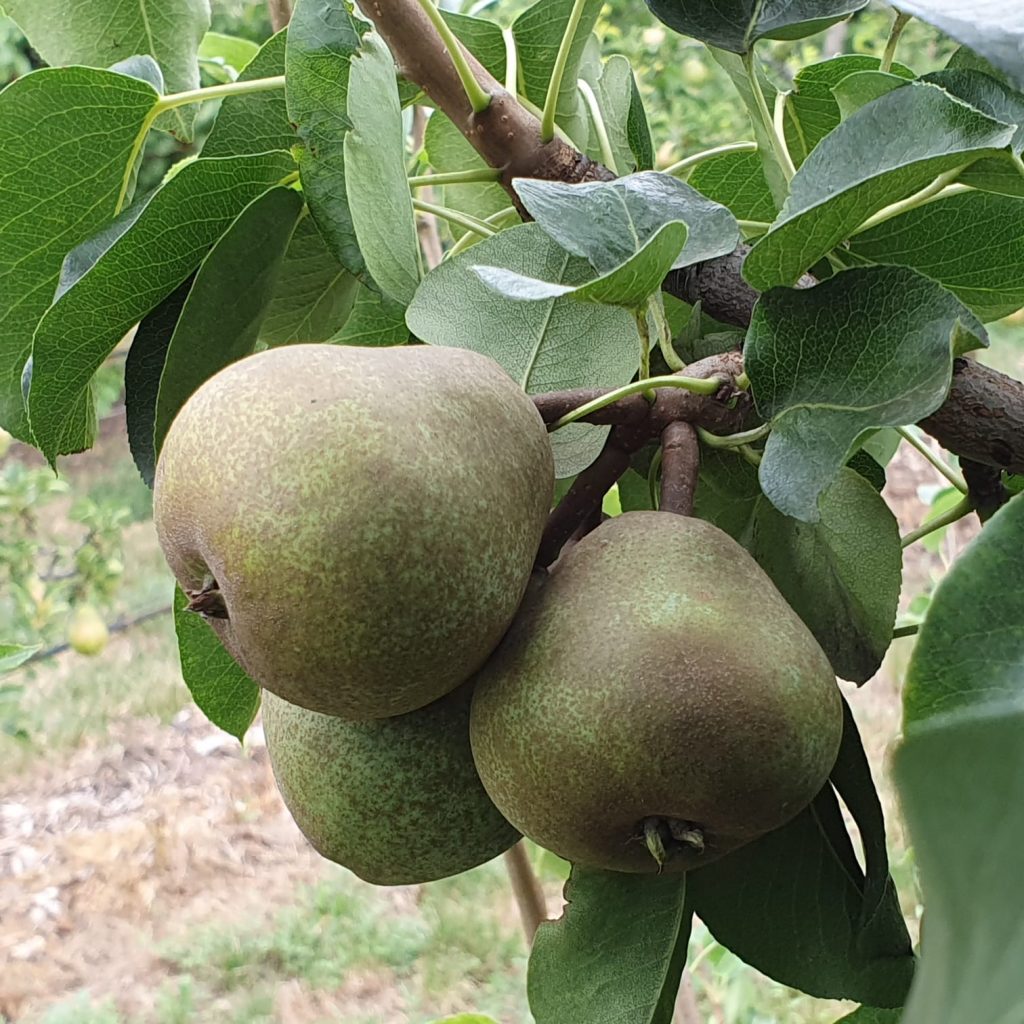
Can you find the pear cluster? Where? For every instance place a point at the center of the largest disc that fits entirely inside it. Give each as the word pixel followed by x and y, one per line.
pixel 359 527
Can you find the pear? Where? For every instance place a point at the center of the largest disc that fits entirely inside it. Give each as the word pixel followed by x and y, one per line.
pixel 87 632
pixel 656 704
pixel 397 801
pixel 358 525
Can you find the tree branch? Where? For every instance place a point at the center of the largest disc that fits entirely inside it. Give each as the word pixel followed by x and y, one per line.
pixel 983 418
pixel 280 13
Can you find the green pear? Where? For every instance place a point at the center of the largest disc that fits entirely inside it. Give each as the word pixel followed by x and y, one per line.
pixel 87 632
pixel 656 703
pixel 398 801
pixel 358 525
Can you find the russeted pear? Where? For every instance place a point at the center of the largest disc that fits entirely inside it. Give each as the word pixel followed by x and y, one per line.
pixel 357 524
pixel 398 801
pixel 656 703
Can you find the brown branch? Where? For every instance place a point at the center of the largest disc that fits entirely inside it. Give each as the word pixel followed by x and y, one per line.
pixel 529 896
pixel 983 418
pixel 280 13
pixel 984 488
pixel 680 464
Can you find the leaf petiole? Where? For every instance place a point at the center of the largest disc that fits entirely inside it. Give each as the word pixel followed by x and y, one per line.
pixel 479 98
pixel 607 156
pixel 468 177
pixel 916 442
pixel 898 25
pixel 698 385
pixel 962 508
pixel 464 220
pixel 738 440
pixel 682 168
pixel 547 121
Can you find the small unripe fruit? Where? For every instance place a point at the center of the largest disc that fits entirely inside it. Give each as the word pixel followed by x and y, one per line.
pixel 87 632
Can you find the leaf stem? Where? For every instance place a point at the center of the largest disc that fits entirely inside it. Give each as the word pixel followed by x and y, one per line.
pixel 898 25
pixel 464 220
pixel 468 177
pixel 182 99
pixel 779 149
pixel 547 121
pixel 467 239
pixel 940 188
pixel 779 125
pixel 736 440
pixel 607 156
pixel 479 98
pixel 526 889
pixel 962 508
pixel 682 168
pixel 511 62
pixel 656 308
pixel 640 315
pixel 947 471
pixel 698 385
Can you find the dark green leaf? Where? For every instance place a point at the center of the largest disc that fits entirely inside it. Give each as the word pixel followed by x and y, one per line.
pixel 545 346
pixel 865 464
pixel 992 28
pixel 374 320
pixel 811 108
pixel 871 1015
pixel 736 25
pixel 323 37
pixel 971 243
pixel 221 318
pixel 375 179
pixel 728 493
pixel 66 139
pixel 791 904
pixel 13 655
pixel 613 94
pixel 870 347
pixel 638 132
pixel 102 32
pixel 608 222
pixel 841 574
pixel 314 295
pixel 142 267
pixel 142 371
pixel 884 152
pixel 255 122
pixel 219 686
pixel 617 953
pixel 986 93
pixel 970 649
pixel 736 180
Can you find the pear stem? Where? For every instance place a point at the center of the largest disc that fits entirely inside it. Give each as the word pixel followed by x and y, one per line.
pixel 526 889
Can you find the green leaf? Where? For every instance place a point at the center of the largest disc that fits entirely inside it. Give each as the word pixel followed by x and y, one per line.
pixel 991 28
pixel 970 649
pixel 103 32
pixel 538 33
pixel 617 953
pixel 220 321
pixel 988 94
pixel 638 132
pixel 792 905
pixel 971 244
pixel 614 94
pixel 14 655
pixel 375 180
pixel 728 493
pixel 609 222
pixel 218 684
pixel 884 152
pixel 323 37
pixel 736 25
pixel 629 285
pixel 314 295
pixel 142 371
pixel 841 574
pixel 66 138
pixel 863 87
pixel 230 51
pixel 447 149
pixel 811 108
pixel 482 38
pixel 961 772
pixel 736 180
pixel 545 346
pixel 375 320
pixel 255 122
pixel 140 267
pixel 870 347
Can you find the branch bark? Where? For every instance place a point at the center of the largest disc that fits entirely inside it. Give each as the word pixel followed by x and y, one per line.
pixel 983 418
pixel 529 896
pixel 280 13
